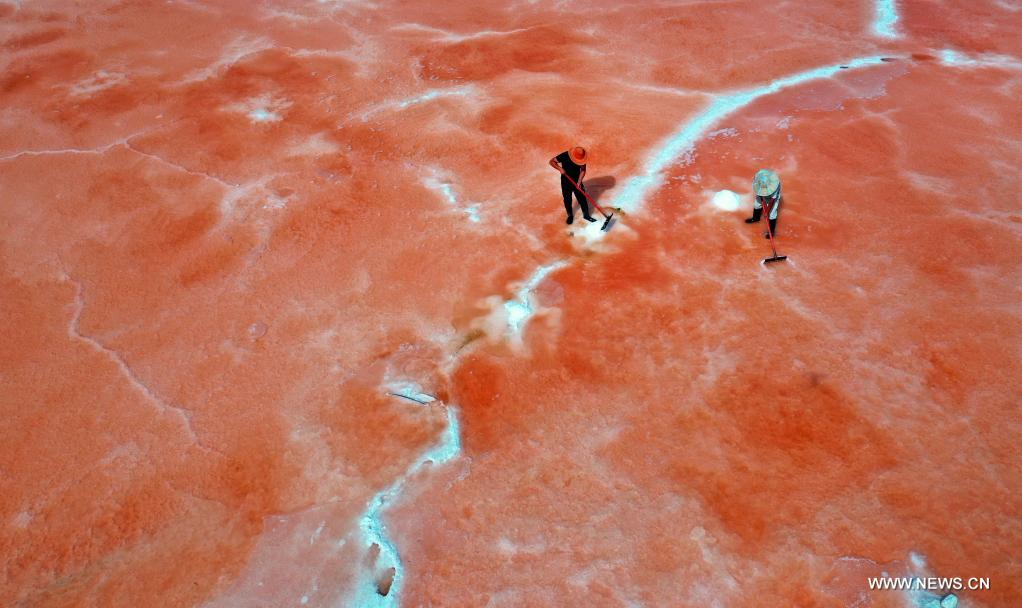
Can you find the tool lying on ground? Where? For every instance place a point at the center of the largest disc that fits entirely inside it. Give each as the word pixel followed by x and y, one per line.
pixel 770 234
pixel 606 222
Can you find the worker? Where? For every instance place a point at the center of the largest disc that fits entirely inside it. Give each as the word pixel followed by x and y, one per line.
pixel 767 188
pixel 571 164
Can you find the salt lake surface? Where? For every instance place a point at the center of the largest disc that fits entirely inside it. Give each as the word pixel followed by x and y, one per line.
pixel 291 316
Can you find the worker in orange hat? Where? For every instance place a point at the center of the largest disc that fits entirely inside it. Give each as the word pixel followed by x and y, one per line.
pixel 571 164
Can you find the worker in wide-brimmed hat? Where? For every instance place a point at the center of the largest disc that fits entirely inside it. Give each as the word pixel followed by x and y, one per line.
pixel 572 164
pixel 767 188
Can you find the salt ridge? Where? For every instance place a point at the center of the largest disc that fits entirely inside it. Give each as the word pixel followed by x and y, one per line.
pixel 683 141
pixel 886 19
pixel 374 529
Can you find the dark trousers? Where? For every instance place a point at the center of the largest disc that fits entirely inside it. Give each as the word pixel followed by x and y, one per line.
pixel 566 190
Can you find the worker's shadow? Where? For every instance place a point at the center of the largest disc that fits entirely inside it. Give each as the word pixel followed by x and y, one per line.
pixel 598 185
pixel 595 188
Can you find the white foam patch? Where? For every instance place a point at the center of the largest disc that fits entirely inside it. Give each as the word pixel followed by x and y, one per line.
pixel 507 319
pixel 726 200
pixel 443 187
pixel 680 144
pixel 953 57
pixel 262 109
pixel 517 314
pixel 588 235
pixel 521 309
pixel 263 115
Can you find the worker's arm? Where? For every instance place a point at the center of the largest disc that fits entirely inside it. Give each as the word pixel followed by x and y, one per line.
pixel 766 201
pixel 775 204
pixel 582 176
pixel 772 203
pixel 556 165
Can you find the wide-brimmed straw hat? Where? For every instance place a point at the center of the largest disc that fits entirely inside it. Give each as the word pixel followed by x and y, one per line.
pixel 765 183
pixel 578 155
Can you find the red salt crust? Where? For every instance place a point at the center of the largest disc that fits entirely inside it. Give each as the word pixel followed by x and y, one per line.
pixel 983 27
pixel 827 448
pixel 204 314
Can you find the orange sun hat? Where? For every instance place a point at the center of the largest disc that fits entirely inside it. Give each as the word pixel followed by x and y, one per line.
pixel 578 155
